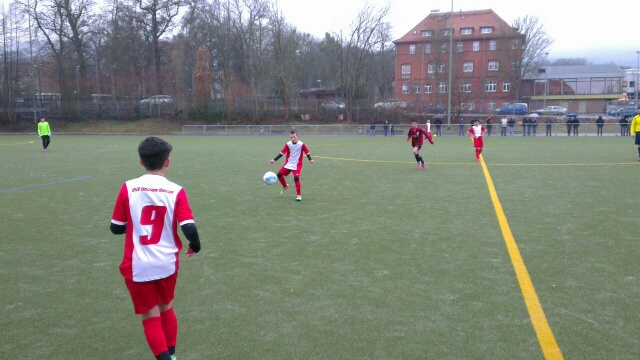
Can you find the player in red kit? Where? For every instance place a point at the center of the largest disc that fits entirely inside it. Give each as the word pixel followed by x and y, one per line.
pixel 476 132
pixel 149 210
pixel 417 135
pixel 294 151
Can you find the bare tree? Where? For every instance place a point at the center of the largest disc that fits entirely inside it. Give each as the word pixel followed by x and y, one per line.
pixel 533 49
pixel 284 42
pixel 202 78
pixel 158 17
pixel 358 47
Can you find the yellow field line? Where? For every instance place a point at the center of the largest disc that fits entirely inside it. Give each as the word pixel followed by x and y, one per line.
pixel 546 339
pixel 29 142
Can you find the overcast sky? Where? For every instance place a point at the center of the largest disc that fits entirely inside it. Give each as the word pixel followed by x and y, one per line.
pixel 602 32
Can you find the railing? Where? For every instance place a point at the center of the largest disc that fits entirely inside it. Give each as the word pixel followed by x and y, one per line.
pixel 557 129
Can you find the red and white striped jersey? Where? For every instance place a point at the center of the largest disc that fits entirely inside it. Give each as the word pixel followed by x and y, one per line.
pixel 294 153
pixel 151 208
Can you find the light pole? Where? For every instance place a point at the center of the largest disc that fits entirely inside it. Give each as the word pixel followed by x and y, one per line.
pixel 546 82
pixel 450 70
pixel 635 89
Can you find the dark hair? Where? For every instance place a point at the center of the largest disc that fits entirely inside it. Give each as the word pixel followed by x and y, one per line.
pixel 294 131
pixel 154 152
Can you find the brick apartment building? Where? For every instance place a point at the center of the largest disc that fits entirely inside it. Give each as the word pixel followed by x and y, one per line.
pixel 483 49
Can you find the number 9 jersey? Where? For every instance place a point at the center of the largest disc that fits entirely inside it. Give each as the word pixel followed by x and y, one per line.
pixel 151 208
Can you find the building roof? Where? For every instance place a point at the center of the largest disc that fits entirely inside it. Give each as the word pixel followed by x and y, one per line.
pixel 578 71
pixel 461 19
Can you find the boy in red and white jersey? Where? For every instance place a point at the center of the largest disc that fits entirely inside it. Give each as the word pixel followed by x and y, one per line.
pixel 476 132
pixel 294 151
pixel 148 211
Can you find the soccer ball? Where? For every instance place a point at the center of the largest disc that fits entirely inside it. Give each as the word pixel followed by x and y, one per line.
pixel 270 178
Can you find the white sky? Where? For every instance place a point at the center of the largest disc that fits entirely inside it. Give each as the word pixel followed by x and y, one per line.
pixel 579 29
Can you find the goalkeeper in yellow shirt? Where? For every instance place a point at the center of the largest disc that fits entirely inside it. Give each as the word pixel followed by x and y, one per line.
pixel 44 131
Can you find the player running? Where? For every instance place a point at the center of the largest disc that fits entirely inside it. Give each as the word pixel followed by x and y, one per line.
pixel 476 132
pixel 294 151
pixel 417 135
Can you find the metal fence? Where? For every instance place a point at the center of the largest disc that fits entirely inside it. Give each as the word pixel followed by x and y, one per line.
pixel 556 129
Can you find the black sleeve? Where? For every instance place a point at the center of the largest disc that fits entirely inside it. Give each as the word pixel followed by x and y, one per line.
pixel 277 157
pixel 117 229
pixel 190 231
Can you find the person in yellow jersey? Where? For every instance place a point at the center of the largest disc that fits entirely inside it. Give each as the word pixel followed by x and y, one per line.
pixel 44 131
pixel 635 130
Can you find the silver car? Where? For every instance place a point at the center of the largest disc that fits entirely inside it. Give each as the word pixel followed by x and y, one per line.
pixel 552 110
pixel 157 100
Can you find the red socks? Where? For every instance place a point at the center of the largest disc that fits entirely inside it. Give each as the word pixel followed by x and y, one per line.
pixel 298 188
pixel 170 327
pixel 155 335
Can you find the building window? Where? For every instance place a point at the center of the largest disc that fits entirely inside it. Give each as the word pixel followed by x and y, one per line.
pixel 491 86
pixel 447 32
pixel 468 106
pixel 416 89
pixel 412 49
pixel 443 48
pixel 465 87
pixel 427 48
pixel 427 33
pixel 506 86
pixel 466 31
pixel 405 88
pixel 467 66
pixel 406 69
pixel 459 47
pixel 493 45
pixel 428 88
pixel 442 87
pixel 492 106
pixel 431 68
pixel 514 44
pixel 476 46
pixel 441 67
pixel 494 65
pixel 486 30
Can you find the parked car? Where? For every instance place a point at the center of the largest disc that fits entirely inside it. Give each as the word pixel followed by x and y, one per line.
pixel 438 109
pixel 513 109
pixel 332 105
pixel 571 116
pixel 624 111
pixel 552 110
pixel 157 100
pixel 390 104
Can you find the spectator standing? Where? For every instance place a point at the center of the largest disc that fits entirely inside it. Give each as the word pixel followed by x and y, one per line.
pixel 386 127
pixel 461 127
pixel 511 124
pixel 576 125
pixel 549 124
pixel 489 126
pixel 391 130
pixel 438 127
pixel 599 126
pixel 534 125
pixel 372 129
pixel 569 126
pixel 503 126
pixel 524 126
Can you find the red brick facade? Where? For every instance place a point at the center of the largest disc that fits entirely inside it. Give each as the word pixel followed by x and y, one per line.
pixel 485 53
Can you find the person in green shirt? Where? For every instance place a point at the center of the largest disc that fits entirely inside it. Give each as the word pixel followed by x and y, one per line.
pixel 635 131
pixel 44 131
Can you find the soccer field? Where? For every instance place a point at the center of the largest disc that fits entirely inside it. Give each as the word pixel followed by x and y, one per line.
pixel 531 254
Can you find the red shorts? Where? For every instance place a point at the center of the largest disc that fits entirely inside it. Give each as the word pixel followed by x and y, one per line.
pixel 146 295
pixel 296 173
pixel 477 142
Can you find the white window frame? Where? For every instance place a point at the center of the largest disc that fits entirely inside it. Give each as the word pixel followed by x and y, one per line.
pixel 486 30
pixel 443 48
pixel 490 86
pixel 442 87
pixel 412 49
pixel 493 65
pixel 476 46
pixel 467 66
pixel 466 31
pixel 416 89
pixel 506 86
pixel 428 89
pixel 431 68
pixel 427 48
pixel 459 46
pixel 405 88
pixel 427 33
pixel 493 45
pixel 406 69
pixel 465 87
pixel 441 68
